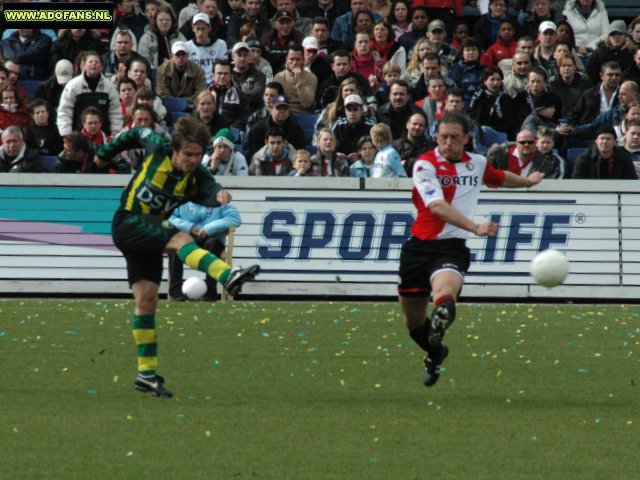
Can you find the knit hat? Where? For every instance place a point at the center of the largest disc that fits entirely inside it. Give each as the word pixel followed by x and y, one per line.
pixel 224 137
pixel 606 128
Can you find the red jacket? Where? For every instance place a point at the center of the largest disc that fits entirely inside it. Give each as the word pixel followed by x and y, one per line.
pixel 498 51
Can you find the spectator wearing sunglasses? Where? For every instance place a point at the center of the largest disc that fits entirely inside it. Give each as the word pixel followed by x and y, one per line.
pixel 521 157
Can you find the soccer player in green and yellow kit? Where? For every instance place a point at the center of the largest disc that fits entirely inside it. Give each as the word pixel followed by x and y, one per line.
pixel 170 175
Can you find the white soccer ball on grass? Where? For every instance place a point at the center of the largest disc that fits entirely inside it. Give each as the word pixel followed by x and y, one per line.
pixel 549 268
pixel 194 288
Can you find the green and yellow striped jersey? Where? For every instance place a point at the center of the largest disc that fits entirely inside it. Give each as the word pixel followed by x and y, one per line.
pixel 156 187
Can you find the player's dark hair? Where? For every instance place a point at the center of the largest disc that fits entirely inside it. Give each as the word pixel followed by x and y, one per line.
pixel 456 119
pixel 190 130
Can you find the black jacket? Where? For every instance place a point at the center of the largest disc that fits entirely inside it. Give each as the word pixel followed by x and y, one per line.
pixel 588 106
pixel 27 161
pixel 569 93
pixel 604 54
pixel 590 165
pixel 293 134
pixel 67 48
pixel 397 119
pixel 327 91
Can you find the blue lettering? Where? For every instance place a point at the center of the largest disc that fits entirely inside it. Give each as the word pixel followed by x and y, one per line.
pixel 517 237
pixel 328 221
pixel 389 238
pixel 549 236
pixel 359 252
pixel 283 236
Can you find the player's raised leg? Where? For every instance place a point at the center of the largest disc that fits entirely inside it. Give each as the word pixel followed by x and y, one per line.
pixel 201 259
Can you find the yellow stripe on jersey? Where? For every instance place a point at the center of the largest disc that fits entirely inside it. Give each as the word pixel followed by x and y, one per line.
pixel 136 185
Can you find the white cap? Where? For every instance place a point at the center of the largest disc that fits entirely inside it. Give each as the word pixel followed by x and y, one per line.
pixel 179 47
pixel 310 43
pixel 351 99
pixel 547 25
pixel 239 46
pixel 64 71
pixel 200 17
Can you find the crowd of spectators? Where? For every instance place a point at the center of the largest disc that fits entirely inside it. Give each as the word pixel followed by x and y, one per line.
pixel 330 88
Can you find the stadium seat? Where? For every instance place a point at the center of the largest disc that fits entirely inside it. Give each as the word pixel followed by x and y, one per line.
pixel 572 155
pixel 307 122
pixel 175 104
pixel 49 162
pixel 30 87
pixel 175 116
pixel 239 139
pixel 492 136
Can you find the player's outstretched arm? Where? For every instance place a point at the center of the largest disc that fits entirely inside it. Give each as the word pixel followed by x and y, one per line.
pixel 516 181
pixel 444 211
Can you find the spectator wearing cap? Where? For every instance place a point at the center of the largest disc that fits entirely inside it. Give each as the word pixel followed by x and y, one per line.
pixel 155 44
pixel 71 42
pixel 271 90
pixel 547 39
pixel 253 15
pixel 256 59
pixel 605 160
pixel 628 94
pixel 299 84
pixel 343 28
pixel 613 49
pixel 277 42
pixel 216 21
pixel 437 35
pixel 246 76
pixel 225 160
pixel 179 76
pixel 51 89
pixel 30 48
pixel 541 12
pixel 300 23
pixel 313 62
pixel 351 127
pixel 280 117
pixel 202 49
pixel 91 88
pixel 589 21
pixel 397 111
pixel 522 157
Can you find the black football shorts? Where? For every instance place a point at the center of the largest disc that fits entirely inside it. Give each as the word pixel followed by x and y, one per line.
pixel 420 259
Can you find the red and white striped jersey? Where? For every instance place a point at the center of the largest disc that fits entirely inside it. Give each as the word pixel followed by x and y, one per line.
pixel 436 178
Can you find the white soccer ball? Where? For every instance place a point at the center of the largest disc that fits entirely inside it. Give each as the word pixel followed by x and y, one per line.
pixel 549 268
pixel 194 288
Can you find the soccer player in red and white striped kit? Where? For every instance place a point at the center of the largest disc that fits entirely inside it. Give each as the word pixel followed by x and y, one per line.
pixel 435 258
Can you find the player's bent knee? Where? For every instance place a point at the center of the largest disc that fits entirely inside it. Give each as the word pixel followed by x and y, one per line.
pixel 178 241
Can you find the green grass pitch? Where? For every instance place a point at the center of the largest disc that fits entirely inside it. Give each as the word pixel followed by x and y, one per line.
pixel 301 390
